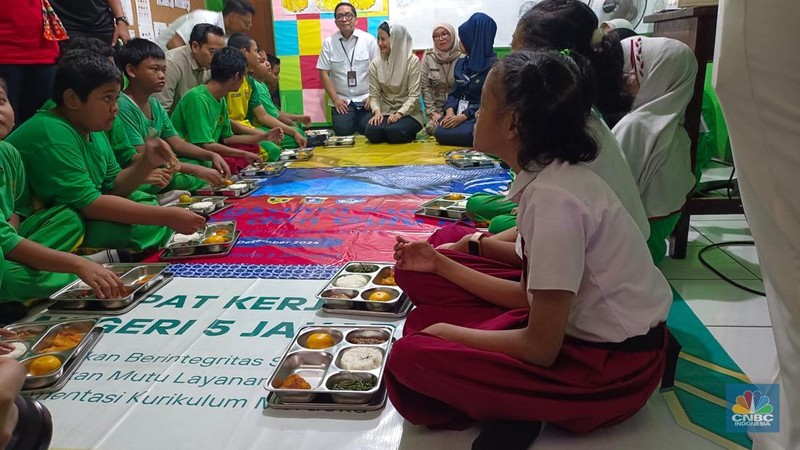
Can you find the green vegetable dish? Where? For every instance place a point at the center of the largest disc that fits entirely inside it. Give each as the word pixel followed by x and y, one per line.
pixel 353 385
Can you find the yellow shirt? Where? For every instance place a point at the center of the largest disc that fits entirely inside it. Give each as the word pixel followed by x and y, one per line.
pixel 242 101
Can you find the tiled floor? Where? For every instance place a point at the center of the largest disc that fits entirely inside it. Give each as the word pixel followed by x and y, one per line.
pixel 738 319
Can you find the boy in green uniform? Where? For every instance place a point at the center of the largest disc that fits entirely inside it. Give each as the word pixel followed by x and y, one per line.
pixel 69 161
pixel 201 116
pixel 34 245
pixel 293 135
pixel 244 103
pixel 141 116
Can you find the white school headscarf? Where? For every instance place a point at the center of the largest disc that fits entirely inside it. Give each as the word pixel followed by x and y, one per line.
pixel 652 135
pixel 392 70
pixel 613 24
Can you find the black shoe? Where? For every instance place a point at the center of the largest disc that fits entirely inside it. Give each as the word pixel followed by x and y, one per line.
pixel 507 435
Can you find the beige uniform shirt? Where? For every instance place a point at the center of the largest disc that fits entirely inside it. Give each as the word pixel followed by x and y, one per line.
pixel 436 82
pixel 403 99
pixel 183 74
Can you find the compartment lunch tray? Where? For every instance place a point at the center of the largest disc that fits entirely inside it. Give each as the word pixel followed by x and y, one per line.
pixel 378 402
pixel 261 173
pixel 166 279
pixel 72 364
pixel 402 310
pixel 294 155
pixel 167 255
pixel 220 192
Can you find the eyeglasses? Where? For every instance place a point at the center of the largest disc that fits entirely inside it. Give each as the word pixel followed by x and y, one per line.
pixel 442 35
pixel 345 16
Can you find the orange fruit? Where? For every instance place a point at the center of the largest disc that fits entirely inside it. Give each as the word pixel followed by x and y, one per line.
pixel 380 296
pixel 228 182
pixel 215 239
pixel 318 341
pixel 222 232
pixel 44 365
pixel 185 198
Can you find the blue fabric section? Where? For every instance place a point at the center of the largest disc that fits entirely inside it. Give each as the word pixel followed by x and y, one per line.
pixel 349 181
pixel 286 40
pixel 272 271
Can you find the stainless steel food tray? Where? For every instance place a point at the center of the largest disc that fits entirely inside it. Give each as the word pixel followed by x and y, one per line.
pixel 137 278
pixel 97 309
pixel 225 191
pixel 218 205
pixel 469 159
pixel 359 297
pixel 40 337
pixel 71 366
pixel 322 367
pixel 402 310
pixel 377 403
pixel 340 141
pixel 266 170
pixel 297 154
pixel 446 207
pixel 169 255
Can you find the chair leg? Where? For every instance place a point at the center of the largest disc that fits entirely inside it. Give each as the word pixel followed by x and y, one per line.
pixel 679 240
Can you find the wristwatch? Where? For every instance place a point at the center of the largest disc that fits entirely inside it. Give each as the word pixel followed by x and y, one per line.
pixel 122 19
pixel 474 244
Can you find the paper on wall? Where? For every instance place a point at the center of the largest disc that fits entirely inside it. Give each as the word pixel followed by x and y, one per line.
pixel 158 27
pixel 168 3
pixel 144 17
pixel 127 8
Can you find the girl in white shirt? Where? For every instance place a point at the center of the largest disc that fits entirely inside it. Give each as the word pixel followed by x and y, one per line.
pixel 580 342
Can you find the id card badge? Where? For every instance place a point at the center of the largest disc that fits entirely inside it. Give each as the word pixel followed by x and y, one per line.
pixel 462 106
pixel 352 81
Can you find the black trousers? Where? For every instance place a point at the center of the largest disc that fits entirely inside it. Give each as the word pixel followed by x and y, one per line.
pixel 401 132
pixel 29 86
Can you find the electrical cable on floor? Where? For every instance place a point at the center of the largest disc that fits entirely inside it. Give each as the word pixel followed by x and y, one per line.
pixel 718 273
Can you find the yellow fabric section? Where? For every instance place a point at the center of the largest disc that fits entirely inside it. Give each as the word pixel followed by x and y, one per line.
pixel 238 102
pixel 308 33
pixel 364 154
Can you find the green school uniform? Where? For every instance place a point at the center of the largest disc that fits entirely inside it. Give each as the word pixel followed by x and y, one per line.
pixel 59 228
pixel 137 128
pixel 66 168
pixel 199 119
pixel 261 92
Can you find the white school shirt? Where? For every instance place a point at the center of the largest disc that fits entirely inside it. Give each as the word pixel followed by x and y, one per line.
pixel 613 168
pixel 335 57
pixel 579 238
pixel 184 24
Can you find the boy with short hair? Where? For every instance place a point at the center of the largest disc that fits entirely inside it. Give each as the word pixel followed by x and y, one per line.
pixel 36 244
pixel 293 135
pixel 201 117
pixel 244 104
pixel 70 162
pixel 142 116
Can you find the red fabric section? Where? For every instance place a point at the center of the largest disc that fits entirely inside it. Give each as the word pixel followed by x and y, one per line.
pixel 22 34
pixel 438 383
pixel 362 24
pixel 320 230
pixel 237 164
pixel 309 73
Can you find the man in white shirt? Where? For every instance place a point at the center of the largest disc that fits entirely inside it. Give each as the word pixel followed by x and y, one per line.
pixel 236 17
pixel 344 69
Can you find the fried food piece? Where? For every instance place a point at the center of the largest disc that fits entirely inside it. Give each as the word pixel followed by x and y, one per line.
pixel 64 340
pixel 295 381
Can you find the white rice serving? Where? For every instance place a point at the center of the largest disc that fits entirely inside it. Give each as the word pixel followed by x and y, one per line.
pixel 199 206
pixel 237 186
pixel 19 350
pixel 351 281
pixel 359 358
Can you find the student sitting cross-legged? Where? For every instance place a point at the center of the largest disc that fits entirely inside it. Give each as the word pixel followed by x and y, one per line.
pixel 585 325
pixel 244 103
pixel 70 162
pixel 293 135
pixel 394 89
pixel 35 246
pixel 201 117
pixel 142 117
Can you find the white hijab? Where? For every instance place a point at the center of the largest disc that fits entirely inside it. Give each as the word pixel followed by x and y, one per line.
pixel 652 135
pixel 392 70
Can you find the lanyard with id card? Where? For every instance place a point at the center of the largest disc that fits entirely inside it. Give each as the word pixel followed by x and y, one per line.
pixel 352 81
pixel 463 105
